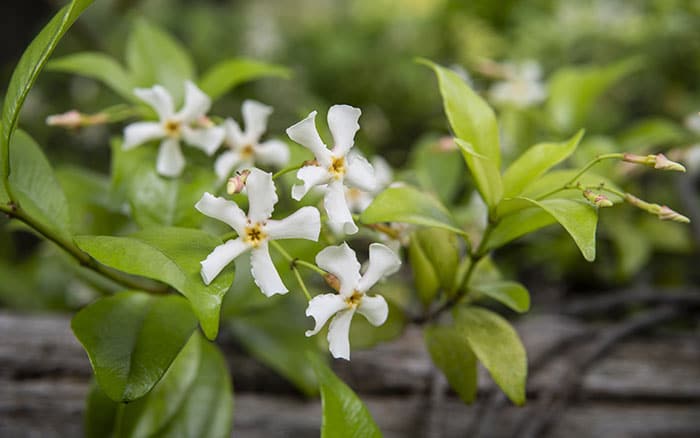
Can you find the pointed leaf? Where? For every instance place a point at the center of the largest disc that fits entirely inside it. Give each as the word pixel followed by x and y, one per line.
pixel 474 123
pixel 27 70
pixel 226 75
pixel 35 188
pixel 534 162
pixel 344 414
pixel 100 67
pixel 410 205
pixel 450 351
pixel 509 293
pixel 424 275
pixel 496 344
pixel 132 338
pixel 170 255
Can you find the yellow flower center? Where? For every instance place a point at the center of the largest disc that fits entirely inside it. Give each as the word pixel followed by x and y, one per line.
pixel 254 235
pixel 354 299
pixel 337 167
pixel 172 128
pixel 247 151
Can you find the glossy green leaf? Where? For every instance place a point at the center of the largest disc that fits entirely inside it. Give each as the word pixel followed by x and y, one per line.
pixel 100 416
pixel 35 188
pixel 434 255
pixel 132 338
pixel 424 275
pixel 473 121
pixel 155 57
pixel 450 351
pixel 437 170
pixel 497 346
pixel 154 199
pixel 344 414
pixel 574 90
pixel 410 205
pixel 578 218
pixel 170 255
pixel 509 293
pixel 100 67
pixel 27 70
pixel 534 162
pixel 226 75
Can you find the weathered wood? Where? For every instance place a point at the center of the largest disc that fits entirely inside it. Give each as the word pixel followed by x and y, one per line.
pixel 646 387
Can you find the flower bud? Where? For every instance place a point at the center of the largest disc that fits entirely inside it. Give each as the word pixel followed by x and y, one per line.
pixel 236 184
pixel 597 199
pixel 71 119
pixel 661 211
pixel 658 161
pixel 666 214
pixel 332 281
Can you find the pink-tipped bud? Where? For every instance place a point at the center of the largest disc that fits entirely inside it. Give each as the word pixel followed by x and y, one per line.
pixel 71 119
pixel 597 199
pixel 658 161
pixel 447 144
pixel 205 122
pixel 332 281
pixel 661 211
pixel 666 214
pixel 236 184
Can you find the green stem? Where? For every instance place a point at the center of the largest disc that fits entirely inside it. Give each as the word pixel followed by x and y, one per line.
pixel 584 169
pixel 287 170
pixel 14 210
pixel 293 265
pixel 301 282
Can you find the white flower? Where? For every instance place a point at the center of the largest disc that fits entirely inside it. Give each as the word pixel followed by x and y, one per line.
pixel 255 230
pixel 245 149
pixel 173 127
pixel 335 167
pixel 523 86
pixel 341 262
pixel 358 200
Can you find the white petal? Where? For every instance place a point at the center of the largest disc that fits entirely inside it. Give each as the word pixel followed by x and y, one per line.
pixel 220 257
pixel 226 163
pixel 383 173
pixel 264 272
pixel 233 134
pixel 305 133
pixel 262 195
pixel 139 133
pixel 337 208
pixel 255 115
pixel 342 122
pixel 360 174
pixel 375 309
pixel 170 161
pixel 312 176
pixel 304 223
pixel 382 262
pixel 321 308
pixel 341 261
pixel 158 98
pixel 272 153
pixel 206 139
pixel 196 104
pixel 223 210
pixel 339 334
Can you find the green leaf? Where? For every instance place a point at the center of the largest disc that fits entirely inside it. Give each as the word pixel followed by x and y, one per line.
pixel 410 205
pixel 509 293
pixel 450 351
pixel 27 70
pixel 155 199
pixel 574 90
pixel 100 67
pixel 437 170
pixel 434 255
pixel 424 275
pixel 578 218
pixel 35 188
pixel 100 413
pixel 534 162
pixel 496 344
pixel 170 255
pixel 155 57
pixel 650 132
pixel 344 414
pixel 473 122
pixel 132 338
pixel 226 75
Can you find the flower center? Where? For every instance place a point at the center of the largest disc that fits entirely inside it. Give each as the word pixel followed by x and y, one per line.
pixel 247 151
pixel 337 167
pixel 354 299
pixel 254 235
pixel 172 128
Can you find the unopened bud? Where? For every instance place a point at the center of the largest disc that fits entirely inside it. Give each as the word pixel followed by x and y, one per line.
pixel 597 199
pixel 236 184
pixel 658 161
pixel 661 211
pixel 447 144
pixel 332 281
pixel 205 122
pixel 666 214
pixel 71 119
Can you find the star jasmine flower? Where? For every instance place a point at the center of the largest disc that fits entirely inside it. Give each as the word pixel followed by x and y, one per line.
pixel 245 148
pixel 358 200
pixel 255 230
pixel 173 127
pixel 335 168
pixel 522 86
pixel 341 262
